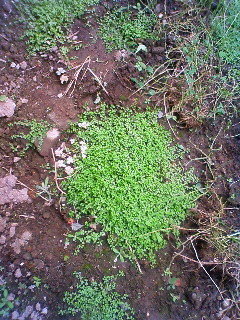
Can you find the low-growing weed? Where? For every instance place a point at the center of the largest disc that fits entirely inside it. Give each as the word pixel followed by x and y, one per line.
pixel 36 132
pixel 5 305
pixel 97 300
pixel 48 20
pixel 130 179
pixel 124 29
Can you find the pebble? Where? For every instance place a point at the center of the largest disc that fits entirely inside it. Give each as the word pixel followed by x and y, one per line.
pixel 7 108
pixel 15 315
pixel 23 65
pixel 38 307
pixel 26 235
pixel 2 239
pixel 45 310
pixel 18 273
pixel 16 159
pixel 13 65
pixel 12 231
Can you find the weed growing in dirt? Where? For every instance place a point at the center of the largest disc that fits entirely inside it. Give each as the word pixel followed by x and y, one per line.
pixel 48 20
pixel 36 132
pixel 97 300
pixel 226 32
pixel 130 179
pixel 124 29
pixel 5 305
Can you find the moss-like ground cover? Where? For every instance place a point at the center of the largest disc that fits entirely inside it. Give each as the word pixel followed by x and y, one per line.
pixel 130 180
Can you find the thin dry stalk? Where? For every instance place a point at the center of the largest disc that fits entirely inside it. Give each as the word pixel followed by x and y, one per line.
pixel 55 173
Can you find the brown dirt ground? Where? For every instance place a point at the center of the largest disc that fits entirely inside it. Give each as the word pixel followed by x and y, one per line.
pixel 43 256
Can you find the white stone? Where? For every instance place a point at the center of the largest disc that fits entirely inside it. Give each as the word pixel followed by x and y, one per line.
pixel 7 108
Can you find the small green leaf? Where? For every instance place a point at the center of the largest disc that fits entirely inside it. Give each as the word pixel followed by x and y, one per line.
pixel 3 98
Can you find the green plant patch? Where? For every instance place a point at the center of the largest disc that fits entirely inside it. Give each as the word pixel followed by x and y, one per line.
pixel 5 305
pixel 124 29
pixel 130 178
pixel 36 130
pixel 97 301
pixel 48 20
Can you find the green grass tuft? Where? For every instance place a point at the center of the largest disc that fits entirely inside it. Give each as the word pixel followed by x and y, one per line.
pixel 130 180
pixel 97 301
pixel 123 29
pixel 48 20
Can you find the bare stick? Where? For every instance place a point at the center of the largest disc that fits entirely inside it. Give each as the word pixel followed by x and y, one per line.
pixel 55 173
pixel 165 107
pixel 206 270
pixel 98 80
pixel 203 262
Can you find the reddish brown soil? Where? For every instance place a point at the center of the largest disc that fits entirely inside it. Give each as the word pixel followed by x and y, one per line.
pixel 45 255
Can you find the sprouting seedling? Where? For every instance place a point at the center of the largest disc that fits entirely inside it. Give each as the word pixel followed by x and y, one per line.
pixel 45 189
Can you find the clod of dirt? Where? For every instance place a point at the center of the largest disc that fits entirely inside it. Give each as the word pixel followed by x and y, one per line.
pixel 7 108
pixel 10 195
pixel 49 142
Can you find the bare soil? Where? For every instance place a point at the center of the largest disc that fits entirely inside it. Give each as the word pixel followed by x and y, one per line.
pixel 44 255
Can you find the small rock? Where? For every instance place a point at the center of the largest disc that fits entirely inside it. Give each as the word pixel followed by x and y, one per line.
pixel 12 231
pixel 13 65
pixel 15 315
pixel 38 307
pixel 18 273
pixel 45 310
pixel 54 49
pixel 22 101
pixel 26 236
pixel 46 215
pixel 23 65
pixel 49 142
pixel 226 318
pixel 76 226
pixel 160 114
pixel 7 108
pixel 2 239
pixel 16 159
